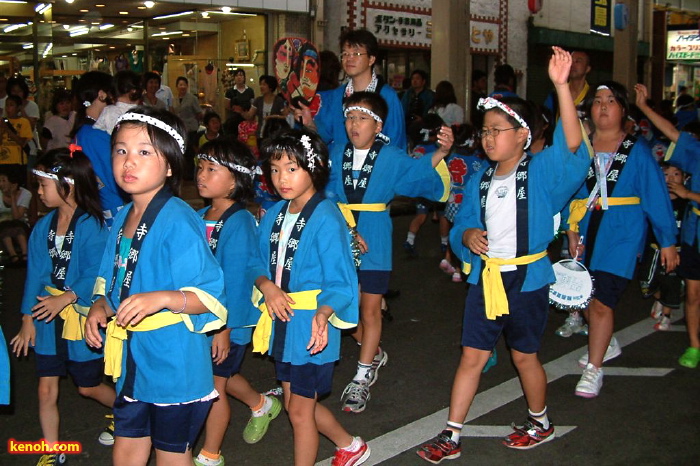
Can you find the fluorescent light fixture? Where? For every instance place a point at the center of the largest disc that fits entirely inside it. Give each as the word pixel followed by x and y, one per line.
pixel 240 65
pixel 205 14
pixel 217 12
pixel 28 46
pixel 69 1
pixel 66 26
pixel 149 4
pixel 105 26
pixel 48 48
pixel 159 34
pixel 79 32
pixel 42 8
pixel 174 15
pixel 12 1
pixel 14 27
pixel 226 9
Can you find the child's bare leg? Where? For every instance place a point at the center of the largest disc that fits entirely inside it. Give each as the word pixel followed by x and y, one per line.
pixel 533 379
pixel 22 241
pixel 48 408
pixel 600 330
pixel 371 318
pixel 9 246
pixel 466 382
pixel 218 419
pixel 168 458
pixel 416 223
pixel 329 426
pixel 692 311
pixel 131 451
pixel 239 388
pixel 102 393
pixel 302 416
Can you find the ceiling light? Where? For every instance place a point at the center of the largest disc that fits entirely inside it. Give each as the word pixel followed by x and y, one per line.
pixel 12 1
pixel 159 34
pixel 100 5
pixel 129 29
pixel 84 11
pixel 226 9
pixel 42 8
pixel 149 4
pixel 106 26
pixel 70 1
pixel 14 27
pixel 205 14
pixel 79 32
pixel 184 13
pixel 140 7
pixel 123 12
pixel 48 48
pixel 28 46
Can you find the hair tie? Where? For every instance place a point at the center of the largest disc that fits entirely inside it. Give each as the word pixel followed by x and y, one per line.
pixel 74 147
pixel 489 102
pixel 149 120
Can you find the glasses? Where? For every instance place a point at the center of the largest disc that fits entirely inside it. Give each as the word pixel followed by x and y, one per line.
pixel 494 132
pixel 346 55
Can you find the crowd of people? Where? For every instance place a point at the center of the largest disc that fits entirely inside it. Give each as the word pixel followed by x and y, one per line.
pixel 294 246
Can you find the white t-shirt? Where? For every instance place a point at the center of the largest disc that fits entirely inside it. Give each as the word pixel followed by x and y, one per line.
pixel 358 160
pixel 285 233
pixel 109 116
pixel 451 114
pixel 501 218
pixel 23 200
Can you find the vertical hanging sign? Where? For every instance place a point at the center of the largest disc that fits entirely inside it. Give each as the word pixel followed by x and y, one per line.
pixel 600 17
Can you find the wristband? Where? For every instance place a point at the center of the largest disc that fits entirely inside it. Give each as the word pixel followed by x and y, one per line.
pixel 184 304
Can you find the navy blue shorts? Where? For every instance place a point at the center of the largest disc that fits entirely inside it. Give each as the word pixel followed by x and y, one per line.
pixel 171 428
pixel 232 364
pixel 307 380
pixel 84 373
pixel 608 287
pixel 689 268
pixel 374 281
pixel 523 327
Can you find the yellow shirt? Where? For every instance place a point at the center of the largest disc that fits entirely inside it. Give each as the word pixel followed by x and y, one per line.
pixel 10 151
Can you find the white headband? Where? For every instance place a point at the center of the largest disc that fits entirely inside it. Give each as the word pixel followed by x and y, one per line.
pixel 363 110
pixel 601 87
pixel 238 168
pixel 154 122
pixel 310 154
pixel 52 176
pixel 488 103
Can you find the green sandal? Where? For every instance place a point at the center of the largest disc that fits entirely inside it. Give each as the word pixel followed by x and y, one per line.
pixel 690 358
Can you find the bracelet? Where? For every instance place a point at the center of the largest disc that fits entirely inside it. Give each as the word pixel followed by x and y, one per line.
pixel 184 303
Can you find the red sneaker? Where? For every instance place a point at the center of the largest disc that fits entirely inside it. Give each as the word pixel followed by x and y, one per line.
pixel 440 448
pixel 530 435
pixel 344 457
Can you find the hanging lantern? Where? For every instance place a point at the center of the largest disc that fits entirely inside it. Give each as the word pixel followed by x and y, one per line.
pixel 534 6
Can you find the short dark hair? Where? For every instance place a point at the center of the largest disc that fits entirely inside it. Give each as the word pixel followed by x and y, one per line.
pixel 619 92
pixel 422 73
pixel 208 117
pixel 21 82
pixel 126 82
pixel 271 82
pixel 75 165
pixel 360 38
pixel 16 99
pixel 165 144
pixel 236 153
pixel 371 100
pixel 150 75
pixel 477 75
pixel 60 95
pixel 504 74
pixel 181 78
pixel 289 143
pixel 238 71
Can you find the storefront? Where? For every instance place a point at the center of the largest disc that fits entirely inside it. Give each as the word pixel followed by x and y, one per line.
pixel 682 63
pixel 53 43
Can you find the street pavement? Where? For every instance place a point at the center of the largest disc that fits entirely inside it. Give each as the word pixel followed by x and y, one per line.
pixel 647 413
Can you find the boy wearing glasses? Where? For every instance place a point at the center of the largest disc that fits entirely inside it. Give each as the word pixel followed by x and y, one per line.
pixel 359 53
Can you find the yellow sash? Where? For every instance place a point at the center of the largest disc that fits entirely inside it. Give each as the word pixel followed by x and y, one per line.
pixel 263 330
pixel 577 209
pixel 347 209
pixel 73 317
pixel 114 343
pixel 696 211
pixel 495 298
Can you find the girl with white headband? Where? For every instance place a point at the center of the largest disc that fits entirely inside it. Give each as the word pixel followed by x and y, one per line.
pixel 225 172
pixel 164 289
pixel 366 174
pixel 501 233
pixel 64 255
pixel 624 189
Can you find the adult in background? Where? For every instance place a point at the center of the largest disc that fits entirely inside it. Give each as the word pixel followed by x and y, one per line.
pixel 359 54
pixel 504 78
pixel 445 104
pixel 57 127
pixel 330 71
pixel 151 85
pixel 126 88
pixel 269 103
pixel 418 99
pixel 239 98
pixel 479 86
pixel 578 85
pixel 186 106
pixel 18 86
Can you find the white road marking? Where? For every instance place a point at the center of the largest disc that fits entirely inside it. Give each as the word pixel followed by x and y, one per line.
pixel 409 436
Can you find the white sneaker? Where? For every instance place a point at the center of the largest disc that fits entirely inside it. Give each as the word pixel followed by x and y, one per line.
pixel 613 351
pixel 663 324
pixel 457 277
pixel 657 310
pixel 446 267
pixel 591 382
pixel 573 324
pixel 380 359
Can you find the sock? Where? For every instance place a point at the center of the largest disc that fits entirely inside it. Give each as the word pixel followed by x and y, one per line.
pixel 207 457
pixel 540 417
pixel 355 445
pixel 266 405
pixel 411 238
pixel 444 240
pixel 455 429
pixel 362 372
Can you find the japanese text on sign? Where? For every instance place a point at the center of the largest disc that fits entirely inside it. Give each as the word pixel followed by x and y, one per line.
pixel 683 45
pixel 483 36
pixel 398 26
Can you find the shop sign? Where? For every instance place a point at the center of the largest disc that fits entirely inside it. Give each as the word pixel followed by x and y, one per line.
pixel 683 45
pixel 399 27
pixel 600 17
pixel 483 36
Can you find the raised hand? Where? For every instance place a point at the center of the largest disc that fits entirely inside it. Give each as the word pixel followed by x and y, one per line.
pixel 559 66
